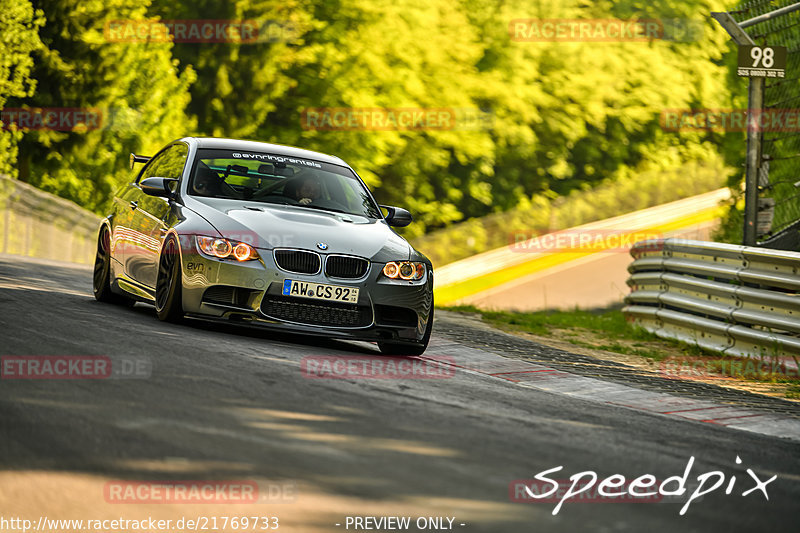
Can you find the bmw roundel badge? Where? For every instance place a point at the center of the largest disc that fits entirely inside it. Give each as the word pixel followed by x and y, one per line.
pixel 322 246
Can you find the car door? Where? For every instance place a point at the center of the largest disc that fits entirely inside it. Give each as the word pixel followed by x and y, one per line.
pixel 121 221
pixel 151 215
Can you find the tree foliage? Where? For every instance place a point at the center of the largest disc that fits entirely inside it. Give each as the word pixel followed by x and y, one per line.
pixel 18 41
pixel 137 89
pixel 561 116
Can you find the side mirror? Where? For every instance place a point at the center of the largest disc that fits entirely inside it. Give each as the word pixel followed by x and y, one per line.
pixel 158 187
pixel 397 216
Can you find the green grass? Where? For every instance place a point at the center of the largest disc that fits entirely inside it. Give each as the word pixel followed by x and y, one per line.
pixel 608 330
pixel 540 322
pixel 611 324
pixel 617 347
pixel 793 391
pixel 617 334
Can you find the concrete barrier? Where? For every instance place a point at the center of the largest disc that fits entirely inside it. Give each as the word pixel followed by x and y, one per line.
pixel 35 223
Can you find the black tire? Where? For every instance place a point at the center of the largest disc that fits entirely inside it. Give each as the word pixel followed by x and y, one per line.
pixel 169 297
pixel 400 349
pixel 101 278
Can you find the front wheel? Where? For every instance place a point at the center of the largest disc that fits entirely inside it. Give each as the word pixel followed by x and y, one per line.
pixel 101 278
pixel 393 348
pixel 169 298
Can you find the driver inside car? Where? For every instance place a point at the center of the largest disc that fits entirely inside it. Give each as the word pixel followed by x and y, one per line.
pixel 306 191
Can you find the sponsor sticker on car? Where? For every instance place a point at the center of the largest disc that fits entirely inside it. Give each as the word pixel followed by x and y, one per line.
pixel 319 291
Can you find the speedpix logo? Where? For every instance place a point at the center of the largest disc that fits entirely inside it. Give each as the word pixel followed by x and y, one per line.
pixel 276 159
pixel 645 488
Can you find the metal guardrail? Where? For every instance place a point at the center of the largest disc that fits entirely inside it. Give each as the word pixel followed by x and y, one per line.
pixel 738 300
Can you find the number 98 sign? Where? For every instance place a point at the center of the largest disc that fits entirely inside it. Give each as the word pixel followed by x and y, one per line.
pixel 762 61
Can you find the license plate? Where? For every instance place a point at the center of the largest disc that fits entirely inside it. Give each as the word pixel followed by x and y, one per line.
pixel 319 291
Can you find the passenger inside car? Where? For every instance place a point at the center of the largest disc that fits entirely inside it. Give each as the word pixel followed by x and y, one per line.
pixel 206 181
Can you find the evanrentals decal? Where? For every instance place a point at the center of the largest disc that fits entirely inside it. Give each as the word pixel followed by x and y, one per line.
pixel 276 159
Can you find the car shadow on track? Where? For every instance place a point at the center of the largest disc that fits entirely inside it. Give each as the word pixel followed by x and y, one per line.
pixel 254 331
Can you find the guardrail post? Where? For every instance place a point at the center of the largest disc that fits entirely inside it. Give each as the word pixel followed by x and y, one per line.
pixel 755 105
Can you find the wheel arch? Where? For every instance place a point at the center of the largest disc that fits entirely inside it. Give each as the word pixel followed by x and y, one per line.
pixel 183 239
pixel 104 222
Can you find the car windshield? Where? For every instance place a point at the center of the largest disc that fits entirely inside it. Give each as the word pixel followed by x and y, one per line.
pixel 283 180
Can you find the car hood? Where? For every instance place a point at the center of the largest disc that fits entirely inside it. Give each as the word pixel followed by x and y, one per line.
pixel 269 226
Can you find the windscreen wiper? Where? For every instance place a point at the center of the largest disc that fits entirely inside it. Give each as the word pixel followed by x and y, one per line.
pixel 332 209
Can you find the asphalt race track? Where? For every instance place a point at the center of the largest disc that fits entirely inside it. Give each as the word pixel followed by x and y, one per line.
pixel 224 402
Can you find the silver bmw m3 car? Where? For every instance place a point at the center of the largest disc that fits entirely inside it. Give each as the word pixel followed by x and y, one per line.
pixel 265 234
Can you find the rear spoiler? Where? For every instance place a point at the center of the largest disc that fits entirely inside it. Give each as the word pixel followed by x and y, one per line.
pixel 139 159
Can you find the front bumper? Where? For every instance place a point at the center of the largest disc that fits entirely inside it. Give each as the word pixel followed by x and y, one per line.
pixel 251 291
